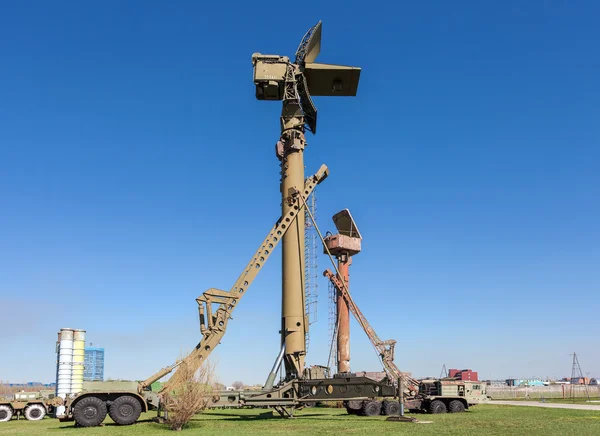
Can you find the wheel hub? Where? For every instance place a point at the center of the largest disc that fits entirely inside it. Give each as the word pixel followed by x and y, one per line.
pixel 35 413
pixel 3 414
pixel 125 410
pixel 90 412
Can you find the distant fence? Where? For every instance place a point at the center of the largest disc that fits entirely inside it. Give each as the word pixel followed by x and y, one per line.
pixel 551 391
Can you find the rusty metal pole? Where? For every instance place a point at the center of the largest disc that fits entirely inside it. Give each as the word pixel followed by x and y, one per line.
pixel 343 246
pixel 343 317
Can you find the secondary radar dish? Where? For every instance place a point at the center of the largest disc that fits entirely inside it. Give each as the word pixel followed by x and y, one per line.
pixel 345 224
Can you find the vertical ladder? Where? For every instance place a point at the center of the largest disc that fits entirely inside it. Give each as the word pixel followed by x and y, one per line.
pixel 310 265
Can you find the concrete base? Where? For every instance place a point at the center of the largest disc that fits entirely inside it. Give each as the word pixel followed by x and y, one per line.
pixel 401 419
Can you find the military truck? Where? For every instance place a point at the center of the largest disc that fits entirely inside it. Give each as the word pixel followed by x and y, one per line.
pixel 32 405
pixel 118 399
pixel 434 396
pixel 447 395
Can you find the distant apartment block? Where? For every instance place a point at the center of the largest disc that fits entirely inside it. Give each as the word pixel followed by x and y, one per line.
pixel 463 374
pixel 94 364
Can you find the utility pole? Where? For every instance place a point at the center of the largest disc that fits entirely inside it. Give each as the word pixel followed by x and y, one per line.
pixel 576 374
pixel 444 372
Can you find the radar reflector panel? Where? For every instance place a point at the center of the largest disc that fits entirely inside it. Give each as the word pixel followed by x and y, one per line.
pixel 310 46
pixel 332 80
pixel 308 107
pixel 345 224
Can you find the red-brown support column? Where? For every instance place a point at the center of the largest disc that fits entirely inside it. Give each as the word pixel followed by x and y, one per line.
pixel 343 317
pixel 343 246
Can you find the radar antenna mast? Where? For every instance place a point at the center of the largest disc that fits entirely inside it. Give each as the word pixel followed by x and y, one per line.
pixel 276 78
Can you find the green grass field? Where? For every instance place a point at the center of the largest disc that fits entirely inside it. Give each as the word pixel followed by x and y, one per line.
pixel 482 420
pixel 559 400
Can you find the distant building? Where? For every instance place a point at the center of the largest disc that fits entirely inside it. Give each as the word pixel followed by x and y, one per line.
pixel 94 364
pixel 580 381
pixel 522 382
pixel 463 374
pixel 31 385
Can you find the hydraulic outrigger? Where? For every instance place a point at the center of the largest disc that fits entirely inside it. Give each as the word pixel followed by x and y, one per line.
pixel 213 323
pixel 290 394
pixel 385 349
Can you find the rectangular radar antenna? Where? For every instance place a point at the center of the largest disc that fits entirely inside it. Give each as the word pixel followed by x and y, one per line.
pixel 272 73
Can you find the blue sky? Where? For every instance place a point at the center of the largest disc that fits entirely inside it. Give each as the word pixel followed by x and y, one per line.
pixel 137 170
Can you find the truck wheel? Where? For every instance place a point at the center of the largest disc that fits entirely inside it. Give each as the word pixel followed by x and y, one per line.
pixel 437 406
pixel 456 406
pixel 125 410
pixel 371 408
pixel 391 408
pixel 34 412
pixel 6 413
pixel 354 407
pixel 89 412
pixel 352 411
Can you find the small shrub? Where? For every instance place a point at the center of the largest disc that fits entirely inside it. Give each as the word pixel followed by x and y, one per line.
pixel 191 397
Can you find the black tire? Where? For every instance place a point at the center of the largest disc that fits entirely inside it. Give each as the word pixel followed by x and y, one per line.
pixel 391 408
pixel 371 408
pixel 125 410
pixel 89 412
pixel 437 406
pixel 456 406
pixel 34 412
pixel 353 407
pixel 384 405
pixel 6 413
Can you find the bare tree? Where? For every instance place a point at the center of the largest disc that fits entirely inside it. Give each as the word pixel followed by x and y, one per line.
pixel 5 390
pixel 238 385
pixel 218 386
pixel 193 396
